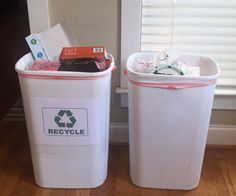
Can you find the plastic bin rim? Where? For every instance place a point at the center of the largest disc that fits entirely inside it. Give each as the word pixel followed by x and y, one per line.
pixel 59 74
pixel 172 77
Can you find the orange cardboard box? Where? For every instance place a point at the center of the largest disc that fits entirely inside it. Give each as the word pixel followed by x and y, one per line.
pixel 83 52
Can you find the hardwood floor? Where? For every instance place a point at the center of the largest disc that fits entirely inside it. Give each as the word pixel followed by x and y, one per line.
pixel 16 174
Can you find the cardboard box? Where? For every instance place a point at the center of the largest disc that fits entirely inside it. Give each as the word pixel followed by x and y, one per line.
pixel 83 52
pixel 36 47
pixel 84 59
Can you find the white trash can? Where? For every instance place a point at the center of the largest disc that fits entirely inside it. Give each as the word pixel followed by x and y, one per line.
pixel 168 123
pixel 67 116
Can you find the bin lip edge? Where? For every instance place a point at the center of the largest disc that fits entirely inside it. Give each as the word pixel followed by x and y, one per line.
pixel 172 78
pixel 152 76
pixel 66 74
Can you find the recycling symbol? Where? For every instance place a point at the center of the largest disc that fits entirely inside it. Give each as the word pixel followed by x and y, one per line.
pixel 61 122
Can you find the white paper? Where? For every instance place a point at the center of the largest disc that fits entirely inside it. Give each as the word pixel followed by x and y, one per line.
pixel 54 39
pixel 65 121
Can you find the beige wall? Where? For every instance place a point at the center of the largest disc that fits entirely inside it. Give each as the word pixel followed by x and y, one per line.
pixel 223 117
pixel 98 22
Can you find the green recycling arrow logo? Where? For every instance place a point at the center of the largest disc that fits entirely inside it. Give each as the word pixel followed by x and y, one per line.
pixel 69 115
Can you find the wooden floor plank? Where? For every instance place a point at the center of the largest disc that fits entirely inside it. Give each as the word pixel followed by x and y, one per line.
pixel 226 158
pixel 124 185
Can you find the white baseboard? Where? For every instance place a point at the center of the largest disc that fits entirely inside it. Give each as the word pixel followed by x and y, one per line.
pixel 221 135
pixel 119 133
pixel 217 135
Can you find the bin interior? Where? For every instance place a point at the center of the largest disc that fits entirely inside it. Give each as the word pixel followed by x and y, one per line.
pixel 208 67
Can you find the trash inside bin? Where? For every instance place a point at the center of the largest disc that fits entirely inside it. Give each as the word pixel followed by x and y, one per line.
pixel 67 115
pixel 168 123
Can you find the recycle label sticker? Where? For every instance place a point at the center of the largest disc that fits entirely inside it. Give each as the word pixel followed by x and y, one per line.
pixel 65 121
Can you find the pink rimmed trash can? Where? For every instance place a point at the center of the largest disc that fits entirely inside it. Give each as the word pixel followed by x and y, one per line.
pixel 168 123
pixel 67 116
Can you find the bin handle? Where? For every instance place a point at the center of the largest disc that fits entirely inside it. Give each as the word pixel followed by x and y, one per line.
pixel 174 86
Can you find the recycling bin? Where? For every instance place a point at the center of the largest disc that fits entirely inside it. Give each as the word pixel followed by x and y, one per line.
pixel 67 116
pixel 168 123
